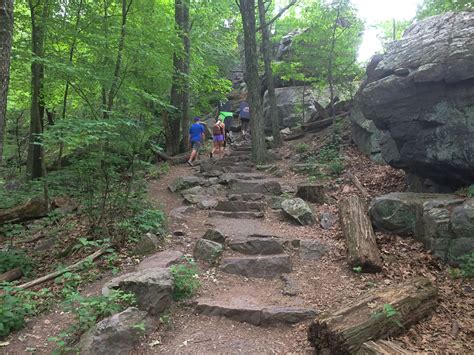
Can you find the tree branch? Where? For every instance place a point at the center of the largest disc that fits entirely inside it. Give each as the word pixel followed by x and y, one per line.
pixel 277 16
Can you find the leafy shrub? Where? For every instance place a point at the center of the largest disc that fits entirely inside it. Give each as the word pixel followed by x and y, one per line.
pixel 186 279
pixel 470 191
pixel 147 221
pixel 12 258
pixel 466 267
pixel 336 167
pixel 15 305
pixel 301 148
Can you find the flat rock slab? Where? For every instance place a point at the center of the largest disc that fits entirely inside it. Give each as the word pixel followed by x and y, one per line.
pixel 207 250
pixel 256 246
pixel 162 259
pixel 214 235
pixel 312 249
pixel 247 197
pixel 256 315
pixel 237 215
pixel 257 266
pixel 267 187
pixel 239 206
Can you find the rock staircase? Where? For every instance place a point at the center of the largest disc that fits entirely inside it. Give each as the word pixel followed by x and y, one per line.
pixel 250 251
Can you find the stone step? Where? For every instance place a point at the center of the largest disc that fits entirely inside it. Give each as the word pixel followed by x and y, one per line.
pixel 239 206
pixel 267 187
pixel 257 266
pixel 240 169
pixel 256 246
pixel 256 315
pixel 237 214
pixel 247 197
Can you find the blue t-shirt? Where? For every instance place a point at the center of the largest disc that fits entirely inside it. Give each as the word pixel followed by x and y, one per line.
pixel 244 110
pixel 195 132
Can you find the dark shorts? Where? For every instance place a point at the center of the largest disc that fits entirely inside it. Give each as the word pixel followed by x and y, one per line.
pixel 196 145
pixel 247 120
pixel 218 138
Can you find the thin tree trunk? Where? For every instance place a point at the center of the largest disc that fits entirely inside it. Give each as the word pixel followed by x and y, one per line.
pixel 66 88
pixel 114 87
pixel 269 75
pixel 331 67
pixel 173 129
pixel 259 148
pixel 34 167
pixel 186 68
pixel 6 32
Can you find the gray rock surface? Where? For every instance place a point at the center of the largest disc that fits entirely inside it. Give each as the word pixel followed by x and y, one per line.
pixel 256 246
pixel 299 210
pixel 184 182
pixel 326 220
pixel 147 244
pixel 117 334
pixel 427 114
pixel 214 235
pixel 312 249
pixel 444 223
pixel 208 251
pixel 152 288
pixel 267 187
pixel 257 266
pixel 162 259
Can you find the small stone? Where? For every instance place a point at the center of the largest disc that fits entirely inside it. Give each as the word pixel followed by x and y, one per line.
pixel 179 233
pixel 214 235
pixel 326 220
pixel 299 210
pixel 208 251
pixel 207 203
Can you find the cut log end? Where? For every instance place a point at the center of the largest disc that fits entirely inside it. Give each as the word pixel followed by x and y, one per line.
pixel 378 315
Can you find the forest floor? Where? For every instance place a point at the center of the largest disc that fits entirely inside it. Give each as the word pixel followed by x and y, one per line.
pixel 322 284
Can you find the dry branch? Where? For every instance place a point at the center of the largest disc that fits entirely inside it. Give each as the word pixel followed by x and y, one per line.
pixel 173 160
pixel 317 126
pixel 362 250
pixel 366 318
pixel 357 184
pixel 55 274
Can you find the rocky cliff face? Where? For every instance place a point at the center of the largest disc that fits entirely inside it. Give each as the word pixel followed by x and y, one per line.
pixel 421 95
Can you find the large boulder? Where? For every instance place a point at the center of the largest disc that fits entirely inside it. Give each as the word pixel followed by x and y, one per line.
pixel 117 334
pixel 299 210
pixel 153 289
pixel 295 104
pixel 444 223
pixel 421 94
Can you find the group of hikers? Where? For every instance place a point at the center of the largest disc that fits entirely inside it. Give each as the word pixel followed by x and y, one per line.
pixel 221 130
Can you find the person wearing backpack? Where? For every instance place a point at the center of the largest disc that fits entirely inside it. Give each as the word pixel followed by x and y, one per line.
pixel 218 133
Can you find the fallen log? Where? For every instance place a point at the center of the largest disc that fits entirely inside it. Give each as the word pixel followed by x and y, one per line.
pixel 174 160
pixel 317 126
pixel 379 314
pixel 382 347
pixel 32 209
pixel 322 112
pixel 362 250
pixel 55 274
pixel 292 137
pixel 11 275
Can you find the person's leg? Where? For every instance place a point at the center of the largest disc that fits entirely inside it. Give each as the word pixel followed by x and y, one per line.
pixel 215 146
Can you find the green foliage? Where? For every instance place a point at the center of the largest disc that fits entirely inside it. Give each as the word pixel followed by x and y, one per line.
pixel 388 312
pixel 466 267
pixel 87 311
pixel 12 258
pixel 147 221
pixel 327 162
pixel 16 305
pixel 470 191
pixel 357 269
pixel 301 148
pixel 391 30
pixel 185 278
pixel 434 7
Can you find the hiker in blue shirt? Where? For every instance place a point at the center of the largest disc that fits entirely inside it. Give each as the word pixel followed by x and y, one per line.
pixel 244 115
pixel 196 138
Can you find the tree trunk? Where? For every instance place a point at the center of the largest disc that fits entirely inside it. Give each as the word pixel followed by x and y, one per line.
pixel 186 86
pixel 259 147
pixel 6 33
pixel 39 14
pixel 267 60
pixel 379 314
pixel 31 209
pixel 317 126
pixel 382 347
pixel 362 250
pixel 331 67
pixel 173 128
pixel 114 87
